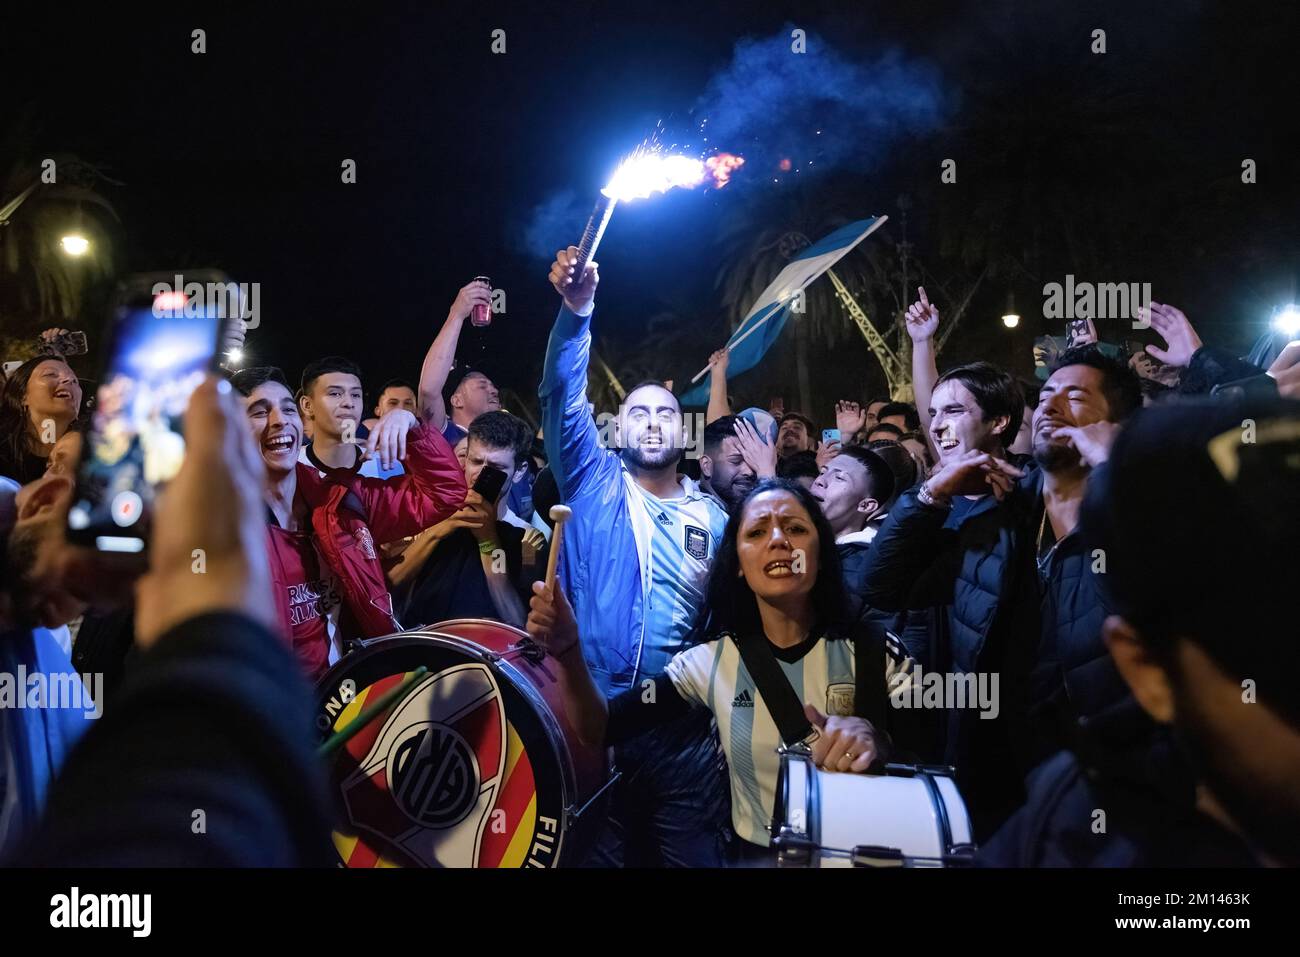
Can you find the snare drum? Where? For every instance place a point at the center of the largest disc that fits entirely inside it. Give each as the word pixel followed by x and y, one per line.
pixel 910 815
pixel 475 765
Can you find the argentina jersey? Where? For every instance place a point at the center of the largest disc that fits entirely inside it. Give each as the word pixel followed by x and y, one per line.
pixel 714 675
pixel 684 534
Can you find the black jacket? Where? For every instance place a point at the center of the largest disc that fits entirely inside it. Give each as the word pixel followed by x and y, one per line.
pixel 1044 642
pixel 1125 799
pixel 206 759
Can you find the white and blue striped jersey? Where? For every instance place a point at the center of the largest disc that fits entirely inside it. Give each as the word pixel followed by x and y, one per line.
pixel 714 676
pixel 684 534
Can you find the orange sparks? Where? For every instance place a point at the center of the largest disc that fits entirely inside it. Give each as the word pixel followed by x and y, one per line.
pixel 721 166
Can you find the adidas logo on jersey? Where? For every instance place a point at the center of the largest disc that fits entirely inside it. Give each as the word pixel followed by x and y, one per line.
pixel 742 700
pixel 664 520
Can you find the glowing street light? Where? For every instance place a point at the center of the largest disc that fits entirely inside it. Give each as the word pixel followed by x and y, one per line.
pixel 75 244
pixel 1287 321
pixel 1010 320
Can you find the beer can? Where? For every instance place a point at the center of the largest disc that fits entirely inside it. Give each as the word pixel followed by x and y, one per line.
pixel 482 315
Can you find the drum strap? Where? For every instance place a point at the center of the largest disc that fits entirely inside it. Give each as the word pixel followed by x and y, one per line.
pixel 868 679
pixel 782 702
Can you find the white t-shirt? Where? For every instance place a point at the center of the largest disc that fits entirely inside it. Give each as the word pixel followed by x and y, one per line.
pixel 714 676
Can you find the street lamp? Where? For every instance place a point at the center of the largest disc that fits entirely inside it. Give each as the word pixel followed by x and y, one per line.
pixel 75 244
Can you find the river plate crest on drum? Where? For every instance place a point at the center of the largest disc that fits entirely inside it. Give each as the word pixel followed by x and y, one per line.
pixel 456 773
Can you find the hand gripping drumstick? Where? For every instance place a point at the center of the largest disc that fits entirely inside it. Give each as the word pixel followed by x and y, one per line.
pixel 559 515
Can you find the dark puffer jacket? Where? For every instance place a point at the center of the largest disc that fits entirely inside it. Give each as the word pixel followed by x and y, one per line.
pixel 1044 642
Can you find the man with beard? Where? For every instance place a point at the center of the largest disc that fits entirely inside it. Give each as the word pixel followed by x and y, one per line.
pixel 735 459
pixel 797 433
pixel 323 527
pixel 636 556
pixel 1199 767
pixel 1018 583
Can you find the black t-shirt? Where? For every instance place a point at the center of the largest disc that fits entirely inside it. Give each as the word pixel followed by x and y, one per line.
pixel 453 584
pixel 27 467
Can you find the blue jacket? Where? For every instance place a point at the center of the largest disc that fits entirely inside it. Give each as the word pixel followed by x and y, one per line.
pixel 35 738
pixel 605 561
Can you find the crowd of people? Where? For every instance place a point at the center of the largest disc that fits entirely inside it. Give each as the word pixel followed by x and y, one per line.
pixel 1115 552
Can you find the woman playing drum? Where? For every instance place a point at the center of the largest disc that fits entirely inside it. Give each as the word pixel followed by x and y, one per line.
pixel 775 595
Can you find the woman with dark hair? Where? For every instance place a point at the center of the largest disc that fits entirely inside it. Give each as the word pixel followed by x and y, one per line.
pixel 39 402
pixel 776 605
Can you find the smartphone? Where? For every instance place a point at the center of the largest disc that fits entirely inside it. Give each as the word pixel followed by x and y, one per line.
pixel 64 344
pixel 830 435
pixel 159 346
pixel 489 483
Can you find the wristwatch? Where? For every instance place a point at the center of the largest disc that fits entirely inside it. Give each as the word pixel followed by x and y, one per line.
pixel 925 497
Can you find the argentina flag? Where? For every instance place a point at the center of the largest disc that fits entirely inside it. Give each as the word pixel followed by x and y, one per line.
pixel 766 318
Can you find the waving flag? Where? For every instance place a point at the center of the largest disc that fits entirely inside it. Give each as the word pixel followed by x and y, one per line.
pixel 751 340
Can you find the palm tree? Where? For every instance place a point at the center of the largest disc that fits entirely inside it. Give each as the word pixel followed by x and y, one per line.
pixel 44 286
pixel 762 236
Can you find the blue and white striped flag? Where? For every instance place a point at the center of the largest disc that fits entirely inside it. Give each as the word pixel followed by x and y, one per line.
pixel 751 340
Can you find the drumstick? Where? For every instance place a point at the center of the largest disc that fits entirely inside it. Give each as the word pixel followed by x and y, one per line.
pixel 559 515
pixel 369 714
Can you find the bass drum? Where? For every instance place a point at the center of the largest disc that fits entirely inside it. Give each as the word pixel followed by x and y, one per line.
pixel 908 816
pixel 474 765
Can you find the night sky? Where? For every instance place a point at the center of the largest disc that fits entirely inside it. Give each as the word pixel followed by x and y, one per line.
pixel 232 158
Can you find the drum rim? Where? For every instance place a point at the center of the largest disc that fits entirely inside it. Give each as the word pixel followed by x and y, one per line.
pixel 812 801
pixel 494 660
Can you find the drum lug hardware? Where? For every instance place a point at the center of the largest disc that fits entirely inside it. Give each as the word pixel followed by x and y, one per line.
pixel 571 814
pixel 533 652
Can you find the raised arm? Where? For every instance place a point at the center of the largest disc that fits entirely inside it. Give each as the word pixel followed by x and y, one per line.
pixel 432 488
pixel 718 404
pixel 572 441
pixel 922 324
pixel 438 360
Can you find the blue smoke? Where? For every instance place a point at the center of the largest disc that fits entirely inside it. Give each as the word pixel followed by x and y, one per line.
pixel 818 110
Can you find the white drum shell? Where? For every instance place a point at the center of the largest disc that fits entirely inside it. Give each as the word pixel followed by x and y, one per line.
pixel 839 811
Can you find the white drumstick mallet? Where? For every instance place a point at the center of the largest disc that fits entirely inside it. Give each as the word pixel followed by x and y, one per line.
pixel 559 515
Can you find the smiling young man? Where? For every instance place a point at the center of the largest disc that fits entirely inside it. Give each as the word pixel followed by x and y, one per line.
pixel 636 555
pixel 331 400
pixel 323 527
pixel 1015 581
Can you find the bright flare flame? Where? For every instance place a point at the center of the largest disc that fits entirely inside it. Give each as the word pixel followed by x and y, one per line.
pixel 74 244
pixel 1011 320
pixel 1287 321
pixel 644 173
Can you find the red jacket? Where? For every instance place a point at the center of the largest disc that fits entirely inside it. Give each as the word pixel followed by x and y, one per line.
pixel 350 513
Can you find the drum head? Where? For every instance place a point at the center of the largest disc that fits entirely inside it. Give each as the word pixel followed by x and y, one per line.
pixel 460 771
